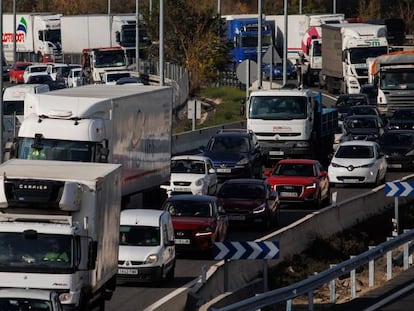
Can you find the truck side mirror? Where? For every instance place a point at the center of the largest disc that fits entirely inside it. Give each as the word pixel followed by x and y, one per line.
pixel 92 254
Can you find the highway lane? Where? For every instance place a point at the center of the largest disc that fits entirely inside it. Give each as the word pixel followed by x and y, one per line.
pixel 139 296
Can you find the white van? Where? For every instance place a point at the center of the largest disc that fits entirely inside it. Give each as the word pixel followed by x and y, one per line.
pixel 13 103
pixel 146 246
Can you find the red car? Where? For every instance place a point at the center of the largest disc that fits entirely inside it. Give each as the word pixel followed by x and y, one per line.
pixel 16 72
pixel 198 221
pixel 300 181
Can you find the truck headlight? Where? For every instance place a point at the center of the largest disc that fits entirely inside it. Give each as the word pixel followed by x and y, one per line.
pixel 151 259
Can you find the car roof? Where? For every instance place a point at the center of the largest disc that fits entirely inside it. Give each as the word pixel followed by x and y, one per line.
pixel 244 181
pixel 143 217
pixel 190 197
pixel 234 132
pixel 361 116
pixel 190 157
pixel 297 161
pixel 357 95
pixel 358 143
pixel 25 293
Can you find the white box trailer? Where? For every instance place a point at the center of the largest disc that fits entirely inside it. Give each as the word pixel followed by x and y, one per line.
pixel 73 206
pixel 122 124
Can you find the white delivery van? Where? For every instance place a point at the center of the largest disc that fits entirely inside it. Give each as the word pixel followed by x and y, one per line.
pixel 146 246
pixel 13 103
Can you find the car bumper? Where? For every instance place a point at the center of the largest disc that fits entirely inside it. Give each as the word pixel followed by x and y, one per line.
pixel 342 175
pixel 139 274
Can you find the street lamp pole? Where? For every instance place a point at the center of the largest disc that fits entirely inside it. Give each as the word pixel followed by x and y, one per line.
pixel 259 44
pixel 285 42
pixel 1 82
pixel 161 43
pixel 14 32
pixel 137 35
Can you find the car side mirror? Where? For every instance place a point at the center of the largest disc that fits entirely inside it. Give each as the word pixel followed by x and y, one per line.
pixel 274 195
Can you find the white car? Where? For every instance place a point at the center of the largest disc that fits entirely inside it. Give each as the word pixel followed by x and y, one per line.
pixel 33 70
pixel 192 174
pixel 358 162
pixel 29 299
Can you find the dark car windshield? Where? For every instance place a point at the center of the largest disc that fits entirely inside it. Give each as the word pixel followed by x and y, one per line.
pixel 355 152
pixel 397 139
pixel 231 144
pixel 403 115
pixel 361 123
pixel 242 190
pixel 184 208
pixel 294 170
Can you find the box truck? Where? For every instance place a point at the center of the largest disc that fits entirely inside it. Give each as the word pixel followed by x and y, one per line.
pixel 59 229
pixel 121 124
pixel 37 37
pixel 345 50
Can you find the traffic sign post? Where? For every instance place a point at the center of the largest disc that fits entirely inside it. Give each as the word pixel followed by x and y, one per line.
pixel 398 189
pixel 244 250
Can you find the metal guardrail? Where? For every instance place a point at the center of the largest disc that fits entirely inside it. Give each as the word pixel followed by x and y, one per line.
pixel 286 294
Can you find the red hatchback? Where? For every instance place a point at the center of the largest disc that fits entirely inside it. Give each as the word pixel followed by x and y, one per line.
pixel 300 181
pixel 17 70
pixel 198 221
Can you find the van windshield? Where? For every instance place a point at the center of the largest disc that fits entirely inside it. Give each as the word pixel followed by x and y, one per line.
pixel 139 235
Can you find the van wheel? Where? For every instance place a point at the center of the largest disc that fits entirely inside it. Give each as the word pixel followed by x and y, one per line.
pixel 171 272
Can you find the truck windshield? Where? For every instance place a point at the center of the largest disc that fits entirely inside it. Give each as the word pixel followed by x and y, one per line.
pixel 397 79
pixel 53 35
pixel 13 106
pixel 115 58
pixel 33 251
pixel 251 40
pixel 53 149
pixel 360 55
pixel 278 108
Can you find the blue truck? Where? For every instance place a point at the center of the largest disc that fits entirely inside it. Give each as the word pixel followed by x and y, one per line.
pixel 242 33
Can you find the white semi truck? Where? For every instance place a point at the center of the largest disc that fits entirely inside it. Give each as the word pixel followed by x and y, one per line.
pixel 38 37
pixel 393 76
pixel 70 209
pixel 304 40
pixel 345 49
pixel 122 124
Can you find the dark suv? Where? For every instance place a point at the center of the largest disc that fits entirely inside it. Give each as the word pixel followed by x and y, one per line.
pixel 235 153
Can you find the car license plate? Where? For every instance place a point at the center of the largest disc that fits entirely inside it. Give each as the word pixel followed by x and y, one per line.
pixel 181 189
pixel 352 180
pixel 289 194
pixel 224 170
pixel 182 241
pixel 394 165
pixel 237 217
pixel 127 271
pixel 276 152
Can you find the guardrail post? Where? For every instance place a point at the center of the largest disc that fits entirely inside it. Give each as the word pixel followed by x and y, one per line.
pixel 289 305
pixel 405 255
pixel 332 288
pixel 310 301
pixel 226 275
pixel 265 275
pixel 371 270
pixel 389 262
pixel 353 285
pixel 203 274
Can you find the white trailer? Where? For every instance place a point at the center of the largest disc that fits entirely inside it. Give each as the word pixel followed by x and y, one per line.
pixel 123 124
pixel 74 206
pixel 38 36
pixel 304 40
pixel 345 50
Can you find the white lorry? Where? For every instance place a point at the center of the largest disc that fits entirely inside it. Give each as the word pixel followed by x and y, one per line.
pixel 304 40
pixel 37 37
pixel 101 30
pixel 59 229
pixel 291 123
pixel 123 124
pixel 393 76
pixel 345 50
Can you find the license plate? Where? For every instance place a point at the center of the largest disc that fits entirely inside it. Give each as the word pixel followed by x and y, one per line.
pixel 224 170
pixel 276 152
pixel 395 165
pixel 127 271
pixel 181 189
pixel 182 241
pixel 289 194
pixel 352 180
pixel 237 217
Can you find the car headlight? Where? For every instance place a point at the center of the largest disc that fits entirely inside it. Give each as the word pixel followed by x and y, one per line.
pixel 199 182
pixel 205 232
pixel 151 259
pixel 260 209
pixel 367 165
pixel 410 153
pixel 243 161
pixel 336 165
pixel 311 186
